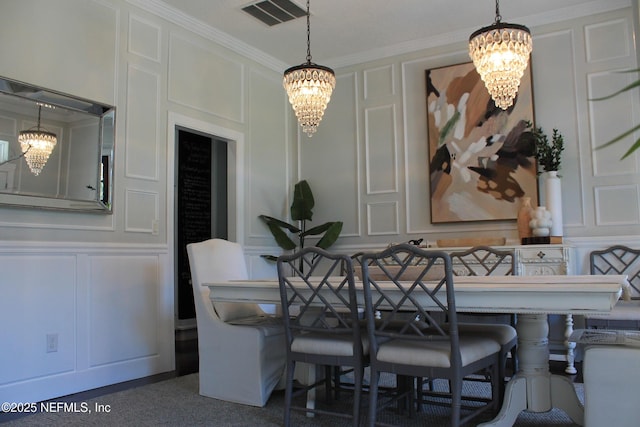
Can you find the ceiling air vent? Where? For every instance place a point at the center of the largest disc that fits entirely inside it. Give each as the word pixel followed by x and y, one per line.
pixel 273 12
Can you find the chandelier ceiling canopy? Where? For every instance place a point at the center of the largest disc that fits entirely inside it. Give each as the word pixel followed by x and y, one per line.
pixel 37 145
pixel 309 87
pixel 500 53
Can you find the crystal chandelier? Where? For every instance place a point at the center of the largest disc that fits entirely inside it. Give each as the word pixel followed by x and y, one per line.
pixel 37 145
pixel 309 87
pixel 500 53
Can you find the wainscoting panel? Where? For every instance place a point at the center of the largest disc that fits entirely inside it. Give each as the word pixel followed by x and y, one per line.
pixel 81 317
pixel 38 300
pixel 124 298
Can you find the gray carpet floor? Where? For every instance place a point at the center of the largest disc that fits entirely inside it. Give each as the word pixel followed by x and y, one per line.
pixel 176 402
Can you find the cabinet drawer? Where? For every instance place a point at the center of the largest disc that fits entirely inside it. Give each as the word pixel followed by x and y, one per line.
pixel 543 260
pixel 542 254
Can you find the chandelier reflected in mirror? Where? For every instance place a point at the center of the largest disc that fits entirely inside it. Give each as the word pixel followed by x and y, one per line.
pixel 37 145
pixel 309 87
pixel 500 53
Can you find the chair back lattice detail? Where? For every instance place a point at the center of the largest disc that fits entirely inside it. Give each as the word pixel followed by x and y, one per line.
pixel 407 268
pixel 483 261
pixel 621 260
pixel 315 296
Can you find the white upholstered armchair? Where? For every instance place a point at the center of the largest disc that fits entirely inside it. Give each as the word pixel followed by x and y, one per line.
pixel 238 363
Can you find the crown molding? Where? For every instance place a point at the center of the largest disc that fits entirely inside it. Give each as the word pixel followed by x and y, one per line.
pixel 190 23
pixel 161 9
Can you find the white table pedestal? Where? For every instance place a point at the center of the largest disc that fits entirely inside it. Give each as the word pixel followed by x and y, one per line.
pixel 534 388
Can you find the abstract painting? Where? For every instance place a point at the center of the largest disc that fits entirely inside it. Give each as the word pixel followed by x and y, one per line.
pixel 481 158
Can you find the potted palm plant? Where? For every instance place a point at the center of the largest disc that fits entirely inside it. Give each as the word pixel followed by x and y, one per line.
pixel 302 212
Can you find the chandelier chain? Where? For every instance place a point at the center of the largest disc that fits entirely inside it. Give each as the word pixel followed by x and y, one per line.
pixel 498 16
pixel 308 34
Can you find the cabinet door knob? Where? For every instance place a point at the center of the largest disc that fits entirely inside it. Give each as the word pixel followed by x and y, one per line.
pixel 541 254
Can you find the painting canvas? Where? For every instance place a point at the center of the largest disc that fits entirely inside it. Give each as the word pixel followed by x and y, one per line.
pixel 481 158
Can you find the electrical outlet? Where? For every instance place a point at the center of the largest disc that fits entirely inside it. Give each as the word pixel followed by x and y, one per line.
pixel 52 343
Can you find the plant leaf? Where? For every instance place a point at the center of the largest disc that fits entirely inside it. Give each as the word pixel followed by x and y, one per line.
pixel 303 202
pixel 271 220
pixel 318 229
pixel 633 148
pixel 618 138
pixel 331 235
pixel 270 257
pixel 281 237
pixel 633 85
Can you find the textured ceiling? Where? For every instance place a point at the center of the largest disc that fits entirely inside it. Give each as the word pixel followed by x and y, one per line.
pixel 344 32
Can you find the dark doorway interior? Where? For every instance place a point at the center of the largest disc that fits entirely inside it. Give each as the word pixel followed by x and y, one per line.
pixel 201 204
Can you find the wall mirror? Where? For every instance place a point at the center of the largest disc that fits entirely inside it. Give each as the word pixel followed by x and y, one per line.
pixel 77 175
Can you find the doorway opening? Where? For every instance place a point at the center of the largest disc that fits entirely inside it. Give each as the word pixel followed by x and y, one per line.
pixel 201 204
pixel 215 159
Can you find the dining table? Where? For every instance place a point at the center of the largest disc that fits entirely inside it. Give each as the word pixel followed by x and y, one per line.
pixel 533 298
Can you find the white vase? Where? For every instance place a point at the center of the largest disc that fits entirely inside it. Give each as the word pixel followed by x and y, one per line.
pixel 553 192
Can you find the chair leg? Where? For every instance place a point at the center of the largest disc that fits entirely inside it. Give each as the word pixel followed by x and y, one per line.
pixel 456 401
pixel 373 397
pixel 358 374
pixel 328 375
pixel 288 392
pixel 514 358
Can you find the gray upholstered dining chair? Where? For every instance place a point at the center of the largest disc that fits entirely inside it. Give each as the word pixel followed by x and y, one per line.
pixel 618 259
pixel 488 261
pixel 418 335
pixel 322 327
pixel 241 350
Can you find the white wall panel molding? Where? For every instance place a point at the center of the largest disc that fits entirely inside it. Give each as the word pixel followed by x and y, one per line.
pixel 379 83
pixel 330 160
pixel 17 220
pixel 606 41
pixel 381 150
pixel 122 329
pixel 39 296
pixel 556 105
pixel 141 211
pixel 73 248
pixel 617 205
pixel 383 219
pixel 111 312
pixel 206 80
pixel 144 38
pixel 142 152
pixel 269 153
pixel 608 119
